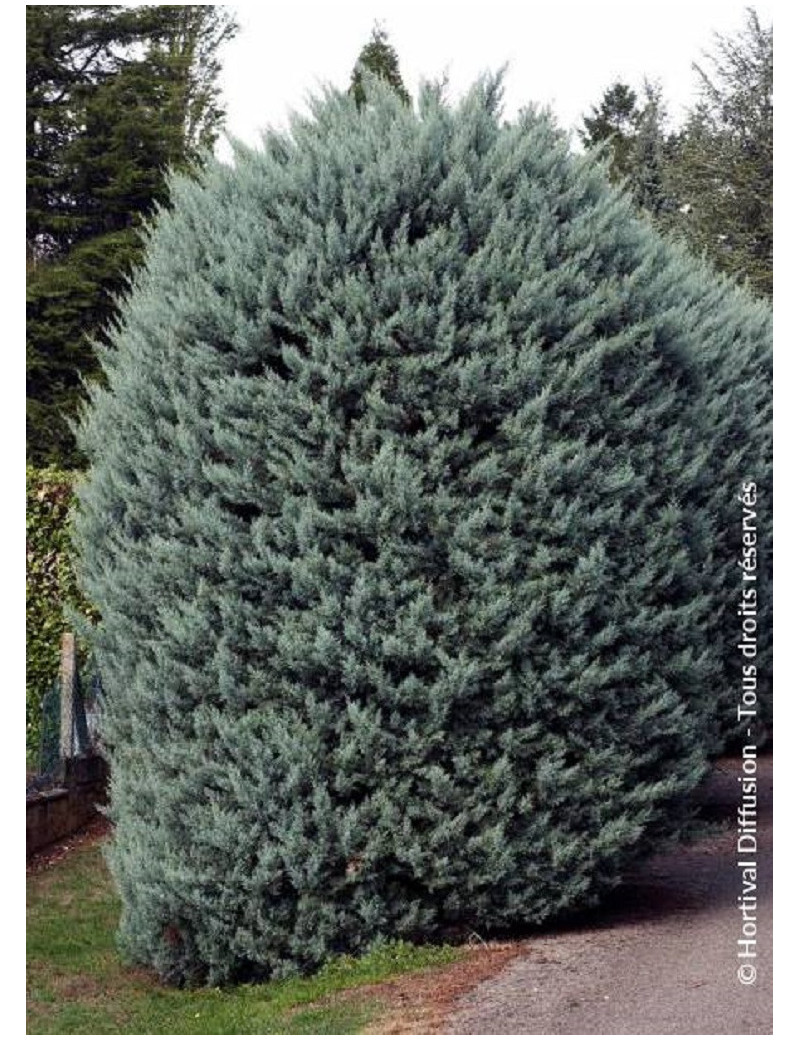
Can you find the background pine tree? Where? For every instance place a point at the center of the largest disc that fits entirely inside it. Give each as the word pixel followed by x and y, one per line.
pixel 709 180
pixel 402 528
pixel 723 167
pixel 614 122
pixel 379 58
pixel 115 96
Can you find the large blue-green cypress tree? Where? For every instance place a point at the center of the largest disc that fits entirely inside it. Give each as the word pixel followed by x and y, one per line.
pixel 732 346
pixel 408 613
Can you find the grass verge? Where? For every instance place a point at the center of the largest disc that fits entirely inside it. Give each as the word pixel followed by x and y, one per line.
pixel 78 984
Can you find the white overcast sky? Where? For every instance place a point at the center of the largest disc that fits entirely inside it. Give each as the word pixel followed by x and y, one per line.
pixel 560 52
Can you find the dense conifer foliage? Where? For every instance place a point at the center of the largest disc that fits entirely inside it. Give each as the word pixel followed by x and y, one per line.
pixel 402 523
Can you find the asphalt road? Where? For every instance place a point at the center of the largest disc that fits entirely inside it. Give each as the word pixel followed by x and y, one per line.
pixel 661 958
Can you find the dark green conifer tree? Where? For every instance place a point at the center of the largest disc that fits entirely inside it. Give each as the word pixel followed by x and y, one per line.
pixel 391 523
pixel 649 156
pixel 722 169
pixel 378 58
pixel 115 96
pixel 614 122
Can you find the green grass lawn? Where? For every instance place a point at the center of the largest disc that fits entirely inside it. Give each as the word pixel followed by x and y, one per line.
pixel 78 984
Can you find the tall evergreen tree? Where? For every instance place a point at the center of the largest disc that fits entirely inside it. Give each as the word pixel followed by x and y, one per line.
pixel 114 97
pixel 393 525
pixel 723 172
pixel 379 58
pixel 650 154
pixel 185 43
pixel 640 149
pixel 614 122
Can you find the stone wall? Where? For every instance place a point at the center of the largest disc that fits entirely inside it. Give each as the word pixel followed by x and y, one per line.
pixel 64 809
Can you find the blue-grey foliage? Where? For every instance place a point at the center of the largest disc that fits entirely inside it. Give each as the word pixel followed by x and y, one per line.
pixel 403 522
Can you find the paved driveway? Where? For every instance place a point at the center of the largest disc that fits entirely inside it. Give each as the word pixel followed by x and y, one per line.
pixel 662 958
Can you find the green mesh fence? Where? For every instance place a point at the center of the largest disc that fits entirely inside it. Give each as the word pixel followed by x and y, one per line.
pixel 49 755
pixel 86 696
